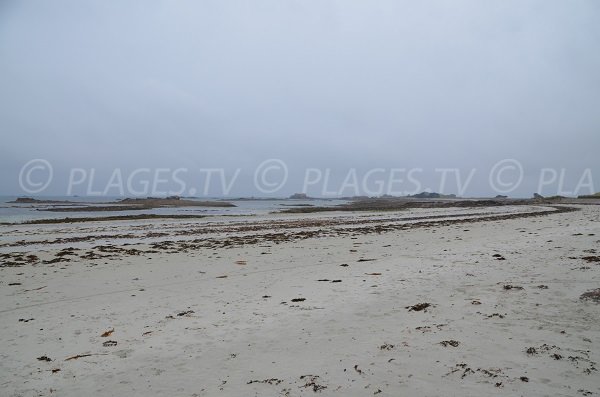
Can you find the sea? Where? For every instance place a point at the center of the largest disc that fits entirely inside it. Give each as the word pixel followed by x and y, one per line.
pixel 11 212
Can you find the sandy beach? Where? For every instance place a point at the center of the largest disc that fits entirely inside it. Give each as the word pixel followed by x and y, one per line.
pixel 431 302
pixel 299 198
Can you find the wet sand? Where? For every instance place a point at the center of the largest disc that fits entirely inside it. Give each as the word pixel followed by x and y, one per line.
pixel 452 301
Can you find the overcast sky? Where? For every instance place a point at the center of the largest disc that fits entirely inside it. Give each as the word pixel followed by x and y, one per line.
pixel 317 84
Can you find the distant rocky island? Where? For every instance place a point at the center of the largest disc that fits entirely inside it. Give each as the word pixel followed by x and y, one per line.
pixel 126 204
pixel 590 196
pixel 29 200
pixel 434 195
pixel 172 201
pixel 299 196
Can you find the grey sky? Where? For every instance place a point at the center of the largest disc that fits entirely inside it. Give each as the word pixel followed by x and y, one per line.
pixel 331 84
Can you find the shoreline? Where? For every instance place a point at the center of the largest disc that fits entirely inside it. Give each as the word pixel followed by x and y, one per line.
pixel 467 301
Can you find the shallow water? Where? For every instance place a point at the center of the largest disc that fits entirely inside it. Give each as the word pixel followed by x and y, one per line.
pixel 16 213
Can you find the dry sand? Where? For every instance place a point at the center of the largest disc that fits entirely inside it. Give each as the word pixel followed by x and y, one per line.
pixel 303 305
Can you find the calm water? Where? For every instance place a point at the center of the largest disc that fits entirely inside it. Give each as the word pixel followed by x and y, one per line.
pixel 15 213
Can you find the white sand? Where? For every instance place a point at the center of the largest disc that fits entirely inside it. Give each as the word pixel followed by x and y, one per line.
pixel 352 338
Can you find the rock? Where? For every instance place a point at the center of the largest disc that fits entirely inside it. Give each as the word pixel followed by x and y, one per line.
pixel 299 196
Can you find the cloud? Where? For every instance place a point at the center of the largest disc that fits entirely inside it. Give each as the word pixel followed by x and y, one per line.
pixel 321 83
